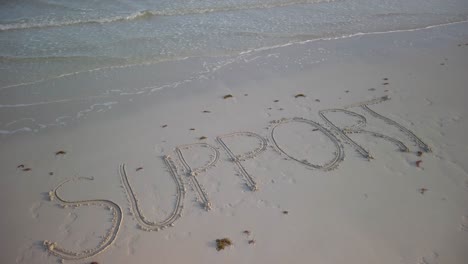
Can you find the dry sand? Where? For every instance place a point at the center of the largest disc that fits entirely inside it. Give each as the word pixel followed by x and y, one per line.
pixel 308 190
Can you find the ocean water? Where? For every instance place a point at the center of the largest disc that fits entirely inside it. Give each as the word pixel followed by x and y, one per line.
pixel 48 46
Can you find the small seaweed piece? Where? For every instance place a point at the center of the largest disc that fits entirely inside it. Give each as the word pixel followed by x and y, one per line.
pixel 247 232
pixel 419 153
pixel 228 96
pixel 442 64
pixel 281 109
pixel 163 126
pixel 385 83
pixel 347 91
pixel 252 242
pixel 51 173
pixel 385 79
pixel 371 89
pixel 202 138
pixel 315 129
pixel 285 212
pixel 60 152
pixel 192 129
pixel 422 190
pixel 276 101
pixel 223 243
pixel 27 169
pixel 299 95
pixel 139 169
pixel 418 163
pixel 94 262
pixel 246 94
pixel 20 166
pixel 206 111
pixel 317 100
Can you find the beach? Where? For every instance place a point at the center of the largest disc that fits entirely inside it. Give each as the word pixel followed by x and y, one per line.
pixel 334 150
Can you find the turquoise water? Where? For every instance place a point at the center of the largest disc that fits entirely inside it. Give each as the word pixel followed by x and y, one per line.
pixel 44 40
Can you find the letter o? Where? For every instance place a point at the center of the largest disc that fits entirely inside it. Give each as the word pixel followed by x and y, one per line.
pixel 331 164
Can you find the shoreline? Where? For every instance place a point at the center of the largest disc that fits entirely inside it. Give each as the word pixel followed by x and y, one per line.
pixel 239 54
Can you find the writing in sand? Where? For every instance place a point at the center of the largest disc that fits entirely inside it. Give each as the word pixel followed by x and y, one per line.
pixel 182 173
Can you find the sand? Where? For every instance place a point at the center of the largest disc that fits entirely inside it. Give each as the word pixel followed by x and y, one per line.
pixel 368 166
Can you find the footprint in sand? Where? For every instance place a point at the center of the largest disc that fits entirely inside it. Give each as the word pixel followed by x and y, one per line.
pixel 131 247
pixel 27 253
pixel 66 226
pixel 464 223
pixel 34 210
pixel 432 259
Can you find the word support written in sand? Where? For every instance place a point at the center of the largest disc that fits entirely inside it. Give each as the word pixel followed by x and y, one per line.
pixel 183 173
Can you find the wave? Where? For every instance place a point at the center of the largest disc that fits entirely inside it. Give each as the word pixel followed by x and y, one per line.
pixel 11 59
pixel 49 24
pixel 155 13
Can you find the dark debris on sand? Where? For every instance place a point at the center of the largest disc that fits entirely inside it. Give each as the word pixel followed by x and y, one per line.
pixel 223 243
pixel 418 163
